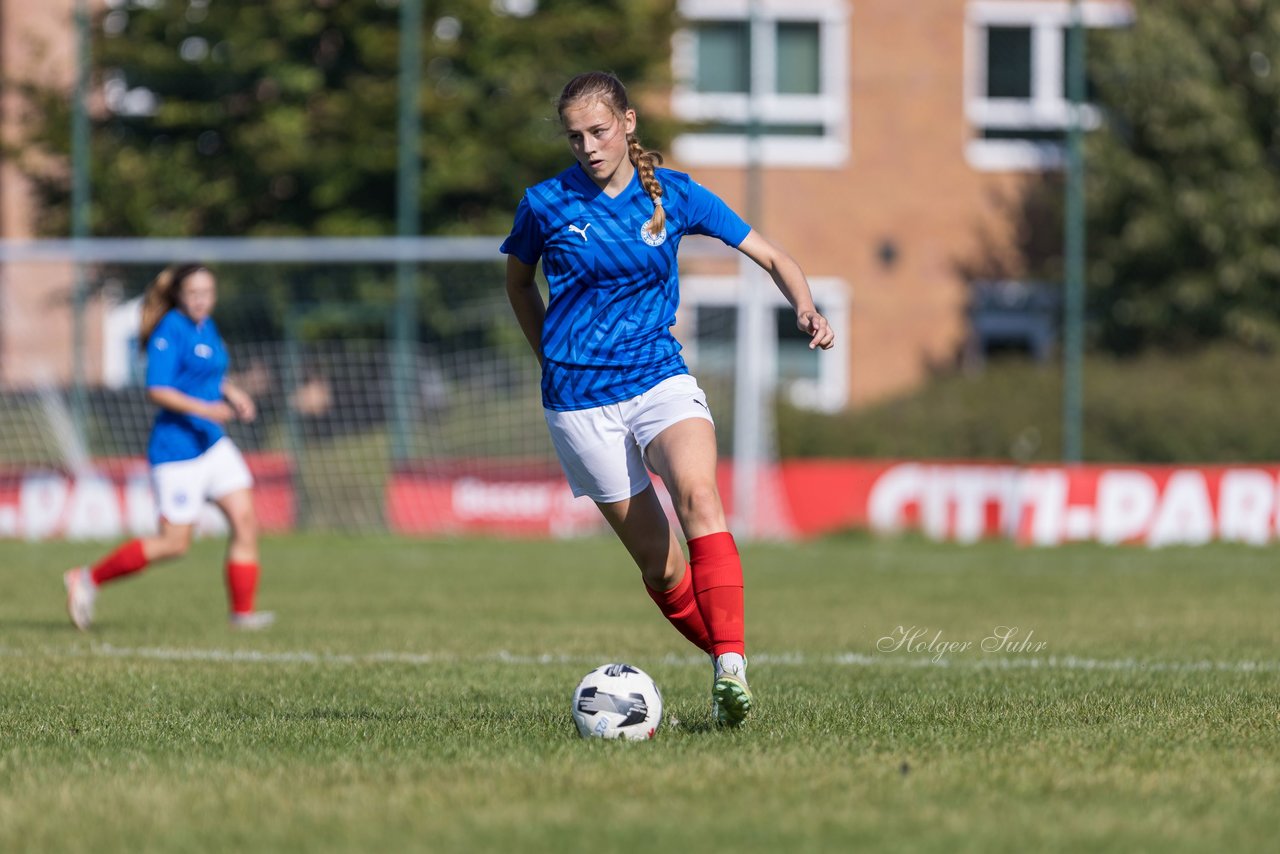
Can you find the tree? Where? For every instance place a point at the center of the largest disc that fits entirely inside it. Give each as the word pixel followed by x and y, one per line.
pixel 278 117
pixel 1184 182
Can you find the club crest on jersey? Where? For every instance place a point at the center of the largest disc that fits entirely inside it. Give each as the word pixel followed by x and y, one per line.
pixel 653 239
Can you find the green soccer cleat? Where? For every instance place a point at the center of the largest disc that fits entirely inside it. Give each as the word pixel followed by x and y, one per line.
pixel 730 695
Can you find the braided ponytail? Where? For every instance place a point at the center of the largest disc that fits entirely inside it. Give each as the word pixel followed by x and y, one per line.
pixel 646 161
pixel 608 89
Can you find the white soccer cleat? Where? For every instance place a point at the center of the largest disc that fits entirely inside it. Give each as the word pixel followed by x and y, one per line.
pixel 252 621
pixel 730 696
pixel 81 591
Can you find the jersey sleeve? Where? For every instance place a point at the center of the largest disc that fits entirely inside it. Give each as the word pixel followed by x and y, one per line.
pixel 708 214
pixel 526 240
pixel 162 357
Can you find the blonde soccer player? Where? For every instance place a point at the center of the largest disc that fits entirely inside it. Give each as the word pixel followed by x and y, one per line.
pixel 618 398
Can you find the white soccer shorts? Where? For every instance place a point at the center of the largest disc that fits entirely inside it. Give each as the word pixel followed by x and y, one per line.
pixel 184 486
pixel 602 450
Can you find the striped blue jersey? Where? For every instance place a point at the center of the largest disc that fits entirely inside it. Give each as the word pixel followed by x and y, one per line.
pixel 191 358
pixel 614 287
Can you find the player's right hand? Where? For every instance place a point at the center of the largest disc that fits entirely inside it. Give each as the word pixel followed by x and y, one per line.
pixel 219 412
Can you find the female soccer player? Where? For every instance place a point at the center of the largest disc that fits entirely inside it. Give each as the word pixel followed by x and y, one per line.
pixel 615 390
pixel 191 458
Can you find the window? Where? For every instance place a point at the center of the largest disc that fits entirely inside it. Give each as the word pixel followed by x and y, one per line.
pixel 1012 316
pixel 724 58
pixel 1017 82
pixel 795 54
pixel 796 361
pixel 708 330
pixel 1009 62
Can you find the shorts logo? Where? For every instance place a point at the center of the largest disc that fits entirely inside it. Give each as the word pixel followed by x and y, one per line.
pixel 204 351
pixel 180 499
pixel 653 239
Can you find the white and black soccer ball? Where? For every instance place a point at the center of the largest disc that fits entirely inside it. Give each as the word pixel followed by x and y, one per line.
pixel 617 701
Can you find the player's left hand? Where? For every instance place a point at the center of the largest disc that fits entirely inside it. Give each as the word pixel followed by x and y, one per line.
pixel 816 327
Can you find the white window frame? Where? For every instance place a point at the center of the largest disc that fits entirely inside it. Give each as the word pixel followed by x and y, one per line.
pixel 830 108
pixel 830 392
pixel 1047 108
pixel 121 327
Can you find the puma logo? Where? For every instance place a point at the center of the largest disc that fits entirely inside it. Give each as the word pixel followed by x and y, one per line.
pixel 582 231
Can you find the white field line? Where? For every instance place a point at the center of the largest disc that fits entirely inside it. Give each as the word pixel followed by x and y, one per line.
pixel 845 659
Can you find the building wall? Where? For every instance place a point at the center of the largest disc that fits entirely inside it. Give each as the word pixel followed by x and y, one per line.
pixel 36 42
pixel 906 183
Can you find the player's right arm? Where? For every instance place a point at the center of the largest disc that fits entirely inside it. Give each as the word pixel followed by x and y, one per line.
pixel 170 398
pixel 526 301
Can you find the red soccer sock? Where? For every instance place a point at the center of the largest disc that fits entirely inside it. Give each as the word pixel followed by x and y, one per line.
pixel 242 583
pixel 717 585
pixel 125 560
pixel 680 607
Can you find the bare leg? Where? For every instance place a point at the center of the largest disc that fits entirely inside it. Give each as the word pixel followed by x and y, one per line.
pixel 684 456
pixel 171 542
pixel 238 508
pixel 641 524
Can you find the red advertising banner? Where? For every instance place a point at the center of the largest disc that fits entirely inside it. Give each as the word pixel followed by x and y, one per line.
pixel 952 501
pixel 115 500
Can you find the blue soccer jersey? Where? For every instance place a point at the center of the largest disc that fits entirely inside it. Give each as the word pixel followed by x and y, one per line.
pixel 614 287
pixel 191 358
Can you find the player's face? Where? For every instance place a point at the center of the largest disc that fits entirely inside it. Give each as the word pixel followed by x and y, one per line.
pixel 598 139
pixel 198 295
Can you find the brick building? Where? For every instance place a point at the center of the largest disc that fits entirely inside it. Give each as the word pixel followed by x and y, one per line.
pixel 36 42
pixel 893 135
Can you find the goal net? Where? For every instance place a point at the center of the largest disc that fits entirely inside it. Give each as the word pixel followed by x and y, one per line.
pixel 395 391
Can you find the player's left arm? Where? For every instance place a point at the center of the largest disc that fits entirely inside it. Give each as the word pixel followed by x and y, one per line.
pixel 240 401
pixel 789 278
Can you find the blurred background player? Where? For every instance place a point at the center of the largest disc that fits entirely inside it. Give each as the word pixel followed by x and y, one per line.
pixel 615 389
pixel 192 460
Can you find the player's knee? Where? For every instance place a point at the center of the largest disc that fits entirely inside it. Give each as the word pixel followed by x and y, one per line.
pixel 701 503
pixel 661 570
pixel 244 527
pixel 662 575
pixel 652 562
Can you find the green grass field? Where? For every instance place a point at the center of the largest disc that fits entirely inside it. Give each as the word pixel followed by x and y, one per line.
pixel 415 696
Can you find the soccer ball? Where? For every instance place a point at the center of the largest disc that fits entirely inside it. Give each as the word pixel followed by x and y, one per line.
pixel 617 701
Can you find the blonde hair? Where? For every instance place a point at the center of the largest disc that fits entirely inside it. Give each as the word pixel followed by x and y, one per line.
pixel 608 90
pixel 162 296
